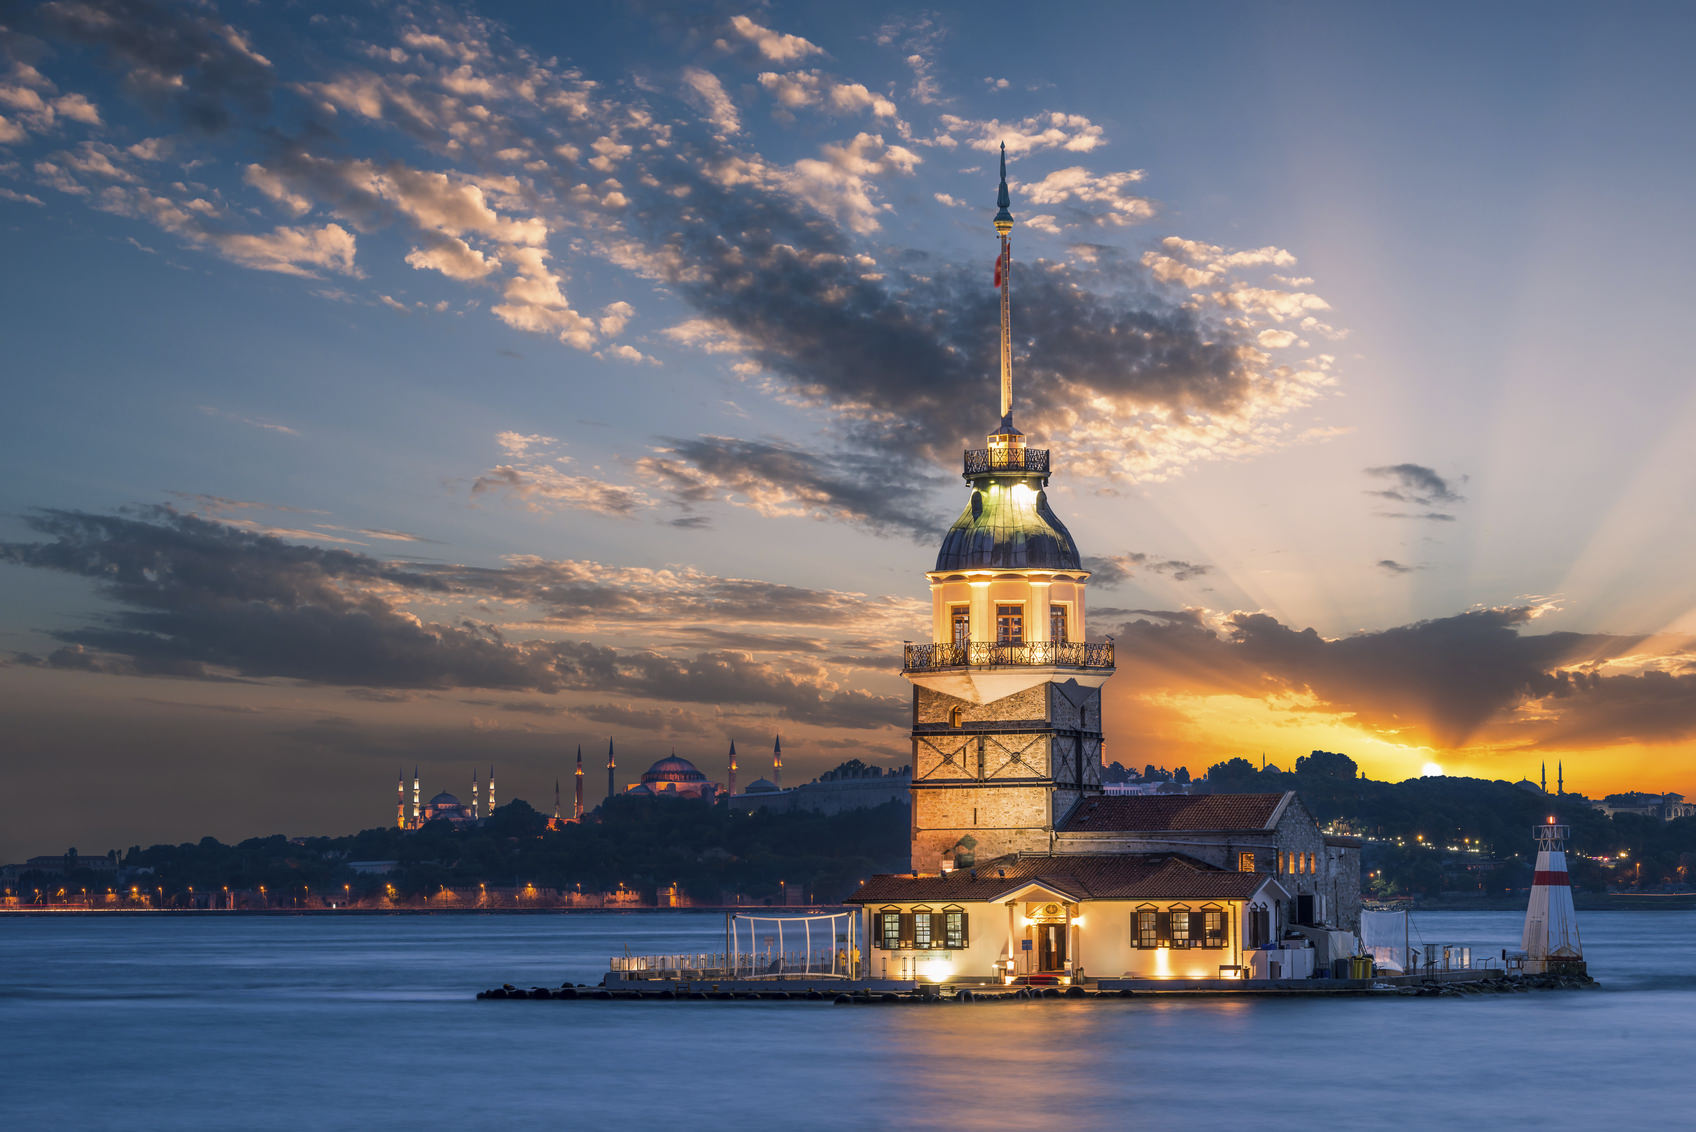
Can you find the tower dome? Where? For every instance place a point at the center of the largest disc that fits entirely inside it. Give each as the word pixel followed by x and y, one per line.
pixel 673 769
pixel 1007 524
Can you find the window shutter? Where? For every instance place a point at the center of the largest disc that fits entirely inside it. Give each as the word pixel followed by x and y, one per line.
pixel 1163 929
pixel 877 929
pixel 939 931
pixel 965 929
pixel 906 929
pixel 1198 929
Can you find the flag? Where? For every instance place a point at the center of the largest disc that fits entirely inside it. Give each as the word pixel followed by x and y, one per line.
pixel 998 271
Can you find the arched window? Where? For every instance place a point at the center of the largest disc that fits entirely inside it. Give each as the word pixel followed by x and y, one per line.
pixel 956 717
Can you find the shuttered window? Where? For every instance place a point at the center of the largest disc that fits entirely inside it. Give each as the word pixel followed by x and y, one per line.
pixel 1146 924
pixel 1213 927
pixel 888 928
pixel 954 929
pixel 1180 934
pixel 921 927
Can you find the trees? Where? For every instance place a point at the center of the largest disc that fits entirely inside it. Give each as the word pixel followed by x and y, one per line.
pixel 1324 764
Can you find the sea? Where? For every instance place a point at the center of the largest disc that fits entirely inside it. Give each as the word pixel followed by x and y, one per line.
pixel 360 1021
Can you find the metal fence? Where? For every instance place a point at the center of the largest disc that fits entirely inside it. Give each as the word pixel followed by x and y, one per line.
pixel 981 460
pixel 1063 654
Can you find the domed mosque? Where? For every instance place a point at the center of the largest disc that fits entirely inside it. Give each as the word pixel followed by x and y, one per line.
pixel 676 777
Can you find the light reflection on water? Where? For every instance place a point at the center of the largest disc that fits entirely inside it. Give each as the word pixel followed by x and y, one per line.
pixel 318 1022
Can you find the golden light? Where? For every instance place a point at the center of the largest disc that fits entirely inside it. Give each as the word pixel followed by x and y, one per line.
pixel 1431 770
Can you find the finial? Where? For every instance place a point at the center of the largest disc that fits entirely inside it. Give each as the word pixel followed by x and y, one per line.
pixel 1003 218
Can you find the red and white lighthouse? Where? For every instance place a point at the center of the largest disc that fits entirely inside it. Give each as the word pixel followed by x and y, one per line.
pixel 1551 928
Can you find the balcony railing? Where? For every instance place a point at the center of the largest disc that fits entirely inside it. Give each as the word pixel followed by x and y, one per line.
pixel 1062 654
pixel 981 460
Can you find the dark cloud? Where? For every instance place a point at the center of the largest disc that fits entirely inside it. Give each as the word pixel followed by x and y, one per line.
pixel 1391 566
pixel 199 599
pixel 1418 486
pixel 1648 707
pixel 878 491
pixel 1444 679
pixel 1112 569
pixel 177 59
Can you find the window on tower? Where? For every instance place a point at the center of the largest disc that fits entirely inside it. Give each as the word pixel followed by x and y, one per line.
pixel 960 624
pixel 1009 624
pixel 1057 624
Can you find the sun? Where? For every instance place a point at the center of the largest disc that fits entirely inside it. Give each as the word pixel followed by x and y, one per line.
pixel 1431 770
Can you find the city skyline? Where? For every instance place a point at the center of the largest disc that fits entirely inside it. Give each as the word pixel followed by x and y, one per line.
pixel 446 385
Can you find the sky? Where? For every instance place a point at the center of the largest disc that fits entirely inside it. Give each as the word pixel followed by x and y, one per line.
pixel 452 385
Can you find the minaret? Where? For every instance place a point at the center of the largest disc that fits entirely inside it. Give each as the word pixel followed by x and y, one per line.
pixel 777 762
pixel 1543 777
pixel 611 766
pixel 416 814
pixel 400 799
pixel 731 792
pixel 1007 691
pixel 557 818
pixel 491 790
pixel 1560 779
pixel 577 810
pixel 475 814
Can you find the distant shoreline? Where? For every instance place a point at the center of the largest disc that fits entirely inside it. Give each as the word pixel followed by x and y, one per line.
pixel 219 913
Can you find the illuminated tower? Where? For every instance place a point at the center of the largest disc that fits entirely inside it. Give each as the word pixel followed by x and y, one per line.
pixel 400 799
pixel 1551 927
pixel 577 810
pixel 612 787
pixel 491 790
pixel 416 814
pixel 732 783
pixel 558 821
pixel 1007 694
pixel 777 762
pixel 474 812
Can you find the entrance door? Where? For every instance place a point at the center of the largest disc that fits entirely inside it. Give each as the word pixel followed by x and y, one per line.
pixel 1051 947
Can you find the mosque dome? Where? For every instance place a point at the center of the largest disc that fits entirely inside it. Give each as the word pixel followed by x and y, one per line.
pixel 444 799
pixel 1008 524
pixel 673 769
pixel 762 786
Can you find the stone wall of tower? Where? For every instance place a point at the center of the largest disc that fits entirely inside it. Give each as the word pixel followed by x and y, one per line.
pixel 993 778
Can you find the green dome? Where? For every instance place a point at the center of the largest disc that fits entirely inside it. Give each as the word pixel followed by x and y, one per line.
pixel 1008 526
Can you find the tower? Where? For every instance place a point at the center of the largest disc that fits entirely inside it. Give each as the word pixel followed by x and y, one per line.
pixel 1007 696
pixel 474 812
pixel 777 762
pixel 612 787
pixel 577 809
pixel 416 812
pixel 1551 939
pixel 1560 778
pixel 400 798
pixel 732 783
pixel 491 790
pixel 1543 777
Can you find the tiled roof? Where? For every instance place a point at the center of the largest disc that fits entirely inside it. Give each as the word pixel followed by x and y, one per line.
pixel 1123 876
pixel 1167 813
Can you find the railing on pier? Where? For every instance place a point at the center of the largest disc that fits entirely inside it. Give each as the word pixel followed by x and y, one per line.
pixel 724 968
pixel 982 460
pixel 1060 654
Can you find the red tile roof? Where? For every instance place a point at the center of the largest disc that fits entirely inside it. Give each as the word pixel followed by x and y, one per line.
pixel 1120 876
pixel 1167 813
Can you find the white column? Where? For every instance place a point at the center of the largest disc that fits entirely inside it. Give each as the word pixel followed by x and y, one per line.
pixel 983 617
pixel 1036 612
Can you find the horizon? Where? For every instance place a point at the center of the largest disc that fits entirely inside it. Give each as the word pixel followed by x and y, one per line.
pixel 457 387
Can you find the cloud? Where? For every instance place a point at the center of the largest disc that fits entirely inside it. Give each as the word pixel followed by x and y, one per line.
pixel 777 47
pixel 776 478
pixel 292 251
pixel 1441 681
pixel 1391 566
pixel 1052 129
pixel 1111 570
pixel 1417 486
pixel 201 599
pixel 1109 190
pixel 795 90
pixel 251 422
pixel 710 95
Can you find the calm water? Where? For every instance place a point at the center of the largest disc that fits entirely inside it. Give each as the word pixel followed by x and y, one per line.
pixel 369 1022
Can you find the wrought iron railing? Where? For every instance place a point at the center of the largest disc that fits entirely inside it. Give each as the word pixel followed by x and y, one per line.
pixel 981 460
pixel 1065 654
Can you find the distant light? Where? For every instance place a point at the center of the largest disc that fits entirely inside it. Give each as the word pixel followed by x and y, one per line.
pixel 1431 770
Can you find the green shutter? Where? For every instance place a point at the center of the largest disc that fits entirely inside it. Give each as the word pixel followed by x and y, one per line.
pixel 1163 929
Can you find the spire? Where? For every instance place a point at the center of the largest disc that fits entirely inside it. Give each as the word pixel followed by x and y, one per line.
pixel 491 789
pixel 1543 778
pixel 474 811
pixel 777 762
pixel 577 809
pixel 1560 778
pixel 732 783
pixel 415 794
pixel 556 799
pixel 1003 277
pixel 611 766
pixel 400 798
